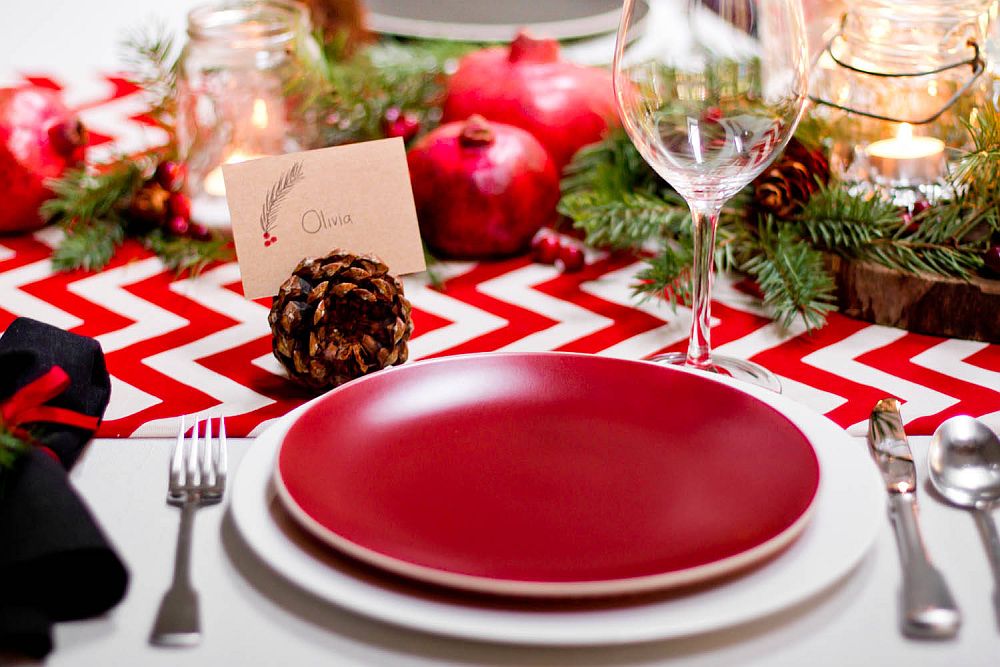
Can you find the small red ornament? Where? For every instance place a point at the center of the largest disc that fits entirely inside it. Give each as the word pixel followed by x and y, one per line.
pixel 545 248
pixel 199 231
pixel 403 124
pixel 991 258
pixel 178 225
pixel 570 259
pixel 171 175
pixel 180 205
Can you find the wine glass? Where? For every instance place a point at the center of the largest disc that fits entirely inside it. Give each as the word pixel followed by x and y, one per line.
pixel 710 99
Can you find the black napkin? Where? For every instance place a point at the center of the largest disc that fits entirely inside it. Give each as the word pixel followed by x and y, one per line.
pixel 55 563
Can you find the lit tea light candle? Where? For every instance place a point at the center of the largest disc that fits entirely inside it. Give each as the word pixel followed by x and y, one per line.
pixel 260 120
pixel 907 159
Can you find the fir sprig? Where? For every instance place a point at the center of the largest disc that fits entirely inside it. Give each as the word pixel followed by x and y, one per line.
pixel 87 207
pixel 349 97
pixel 12 448
pixel 82 195
pixel 187 255
pixel 619 202
pixel 150 60
pixel 88 246
pixel 792 276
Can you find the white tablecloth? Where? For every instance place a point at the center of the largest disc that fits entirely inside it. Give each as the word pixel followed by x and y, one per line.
pixel 252 617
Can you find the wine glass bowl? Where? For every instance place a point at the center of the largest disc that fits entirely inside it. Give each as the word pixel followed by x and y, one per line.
pixel 710 105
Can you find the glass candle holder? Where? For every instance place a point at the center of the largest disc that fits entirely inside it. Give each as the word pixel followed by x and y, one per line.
pixel 232 83
pixel 896 86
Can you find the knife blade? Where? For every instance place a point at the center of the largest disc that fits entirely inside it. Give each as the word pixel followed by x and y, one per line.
pixel 927 608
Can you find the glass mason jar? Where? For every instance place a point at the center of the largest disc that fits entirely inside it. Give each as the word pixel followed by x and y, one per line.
pixel 896 86
pixel 231 96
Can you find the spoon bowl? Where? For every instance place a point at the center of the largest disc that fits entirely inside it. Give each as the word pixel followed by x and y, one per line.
pixel 964 462
pixel 964 465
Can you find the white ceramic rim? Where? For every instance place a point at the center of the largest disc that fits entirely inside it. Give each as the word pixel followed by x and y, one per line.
pixel 846 520
pixel 576 28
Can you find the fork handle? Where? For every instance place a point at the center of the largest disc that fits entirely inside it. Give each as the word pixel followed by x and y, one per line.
pixel 177 622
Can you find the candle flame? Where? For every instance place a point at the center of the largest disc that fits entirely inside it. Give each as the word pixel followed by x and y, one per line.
pixel 259 116
pixel 214 183
pixel 905 132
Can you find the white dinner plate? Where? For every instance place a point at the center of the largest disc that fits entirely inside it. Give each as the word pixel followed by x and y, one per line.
pixel 844 525
pixel 470 21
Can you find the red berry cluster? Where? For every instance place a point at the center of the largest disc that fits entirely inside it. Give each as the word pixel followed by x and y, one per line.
pixel 912 212
pixel 171 176
pixel 398 123
pixel 991 258
pixel 549 248
pixel 269 238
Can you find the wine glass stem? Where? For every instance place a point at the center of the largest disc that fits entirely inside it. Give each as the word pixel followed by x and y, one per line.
pixel 704 218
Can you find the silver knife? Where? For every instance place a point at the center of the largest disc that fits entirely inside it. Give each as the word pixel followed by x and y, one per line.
pixel 927 608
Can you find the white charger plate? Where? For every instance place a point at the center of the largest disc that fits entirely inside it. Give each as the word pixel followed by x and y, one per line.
pixel 844 525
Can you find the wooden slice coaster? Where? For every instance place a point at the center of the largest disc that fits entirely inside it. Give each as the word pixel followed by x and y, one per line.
pixel 923 303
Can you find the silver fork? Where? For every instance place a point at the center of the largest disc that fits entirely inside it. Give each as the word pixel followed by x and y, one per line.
pixel 197 477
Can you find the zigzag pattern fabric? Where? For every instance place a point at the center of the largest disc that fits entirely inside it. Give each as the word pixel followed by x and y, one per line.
pixel 195 345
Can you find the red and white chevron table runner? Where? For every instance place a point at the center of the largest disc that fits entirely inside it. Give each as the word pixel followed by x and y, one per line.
pixel 196 345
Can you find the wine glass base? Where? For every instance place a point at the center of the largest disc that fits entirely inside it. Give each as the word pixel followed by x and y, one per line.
pixel 739 369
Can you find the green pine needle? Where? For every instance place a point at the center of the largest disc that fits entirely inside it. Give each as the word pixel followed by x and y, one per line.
pixel 81 195
pixel 183 254
pixel 89 247
pixel 792 275
pixel 668 274
pixel 151 63
pixel 11 448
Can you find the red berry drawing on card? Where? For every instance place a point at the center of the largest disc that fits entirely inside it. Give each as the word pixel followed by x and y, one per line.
pixel 272 202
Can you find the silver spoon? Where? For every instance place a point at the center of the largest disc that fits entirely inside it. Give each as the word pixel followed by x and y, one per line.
pixel 964 463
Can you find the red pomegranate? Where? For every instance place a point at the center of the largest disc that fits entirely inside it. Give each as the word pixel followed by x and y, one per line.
pixel 564 105
pixel 39 139
pixel 482 189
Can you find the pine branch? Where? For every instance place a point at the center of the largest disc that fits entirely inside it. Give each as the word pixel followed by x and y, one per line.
pixel 364 87
pixel 667 275
pixel 834 219
pixel 187 255
pixel 915 257
pixel 11 448
pixel 149 57
pixel 81 195
pixel 612 166
pixel 88 246
pixel 792 276
pixel 624 222
pixel 277 194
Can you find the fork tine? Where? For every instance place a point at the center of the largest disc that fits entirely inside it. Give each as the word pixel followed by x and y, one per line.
pixel 192 457
pixel 177 462
pixel 222 459
pixel 205 455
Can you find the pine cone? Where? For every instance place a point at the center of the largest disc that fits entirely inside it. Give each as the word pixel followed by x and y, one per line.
pixel 339 317
pixel 785 187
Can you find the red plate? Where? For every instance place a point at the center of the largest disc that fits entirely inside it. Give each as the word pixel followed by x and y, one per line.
pixel 547 474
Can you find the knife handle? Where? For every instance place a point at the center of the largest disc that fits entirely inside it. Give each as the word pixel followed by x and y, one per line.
pixel 927 608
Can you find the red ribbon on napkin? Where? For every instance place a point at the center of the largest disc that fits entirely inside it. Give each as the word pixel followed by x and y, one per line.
pixel 27 405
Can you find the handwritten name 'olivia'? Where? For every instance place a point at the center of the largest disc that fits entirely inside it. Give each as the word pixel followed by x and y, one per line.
pixel 313 221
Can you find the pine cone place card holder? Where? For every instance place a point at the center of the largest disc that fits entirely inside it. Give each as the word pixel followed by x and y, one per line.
pixel 327 233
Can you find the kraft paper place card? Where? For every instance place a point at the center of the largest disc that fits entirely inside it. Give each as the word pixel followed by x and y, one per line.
pixel 288 207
